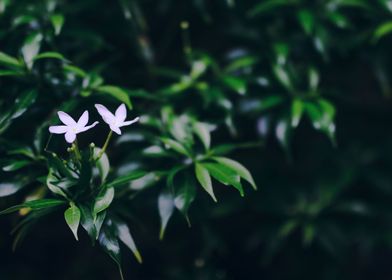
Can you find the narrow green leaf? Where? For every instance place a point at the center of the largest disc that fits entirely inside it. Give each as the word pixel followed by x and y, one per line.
pixel 224 175
pixel 87 221
pixel 127 178
pixel 72 217
pixel 34 205
pixel 53 55
pixel 382 30
pixel 177 146
pixel 57 22
pixel 125 236
pixel 185 193
pixel 202 131
pixel 8 60
pixel 237 168
pixel 16 165
pixel 23 102
pixel 166 208
pixel 116 92
pixel 103 200
pixel 235 83
pixel 204 178
pixel 31 48
pixel 297 109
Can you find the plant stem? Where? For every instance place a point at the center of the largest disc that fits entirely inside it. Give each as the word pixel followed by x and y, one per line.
pixel 77 152
pixel 105 145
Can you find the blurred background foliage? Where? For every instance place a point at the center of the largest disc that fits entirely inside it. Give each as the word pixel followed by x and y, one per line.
pixel 298 91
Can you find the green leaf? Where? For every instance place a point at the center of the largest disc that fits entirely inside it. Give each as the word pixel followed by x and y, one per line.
pixel 125 236
pixel 34 205
pixel 236 84
pixel 72 217
pixel 54 55
pixel 87 221
pixel 184 196
pixel 202 131
pixel 31 48
pixel 23 102
pixel 127 178
pixel 177 146
pixel 224 175
pixel 166 208
pixel 283 77
pixel 297 108
pixel 16 165
pixel 102 164
pixel 237 168
pixel 283 133
pixel 116 92
pixel 110 244
pixel 306 19
pixel 98 223
pixel 204 178
pixel 75 70
pixel 268 5
pixel 8 60
pixel 382 30
pixel 57 21
pixel 103 200
pixel 52 186
pixel 9 188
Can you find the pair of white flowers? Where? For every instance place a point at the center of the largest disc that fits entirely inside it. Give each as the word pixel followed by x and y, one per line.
pixel 71 127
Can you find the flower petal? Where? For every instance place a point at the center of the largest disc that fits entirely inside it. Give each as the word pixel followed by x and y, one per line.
pixel 106 115
pixel 121 113
pixel 70 136
pixel 58 129
pixel 66 119
pixel 83 120
pixel 116 129
pixel 130 122
pixel 85 128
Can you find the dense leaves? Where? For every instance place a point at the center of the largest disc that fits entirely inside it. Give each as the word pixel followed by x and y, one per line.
pixel 288 98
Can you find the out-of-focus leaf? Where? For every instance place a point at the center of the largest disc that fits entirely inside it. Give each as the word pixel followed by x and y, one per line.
pixel 57 21
pixel 9 188
pixel 34 205
pixel 283 133
pixel 72 217
pixel 283 77
pixel 125 236
pixel 184 195
pixel 382 30
pixel 8 60
pixel 110 244
pixel 235 83
pixel 224 175
pixel 268 5
pixel 126 179
pixel 306 19
pixel 204 178
pixel 177 146
pixel 202 131
pixel 297 109
pixel 23 102
pixel 116 92
pixel 16 165
pixel 53 55
pixel 31 48
pixel 238 168
pixel 166 208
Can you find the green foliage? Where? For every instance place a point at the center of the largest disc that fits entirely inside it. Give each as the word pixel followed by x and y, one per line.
pixel 289 98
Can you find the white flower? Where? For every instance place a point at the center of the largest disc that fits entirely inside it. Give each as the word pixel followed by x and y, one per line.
pixel 117 120
pixel 71 128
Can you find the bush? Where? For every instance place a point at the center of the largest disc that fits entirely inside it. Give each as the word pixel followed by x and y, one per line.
pixel 236 139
